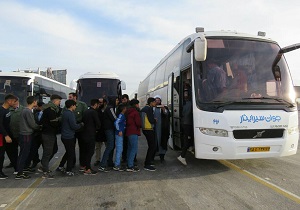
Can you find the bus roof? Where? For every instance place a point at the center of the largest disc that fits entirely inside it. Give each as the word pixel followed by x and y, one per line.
pixel 29 75
pixel 103 75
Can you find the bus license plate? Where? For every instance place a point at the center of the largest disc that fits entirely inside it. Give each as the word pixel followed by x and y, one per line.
pixel 258 149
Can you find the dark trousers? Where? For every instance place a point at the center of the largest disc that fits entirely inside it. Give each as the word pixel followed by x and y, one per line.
pixel 25 144
pixel 188 136
pixel 55 149
pixel 34 150
pixel 149 134
pixel 78 135
pixel 89 152
pixel 69 154
pixel 2 152
pixel 12 152
pixel 125 148
pixel 48 142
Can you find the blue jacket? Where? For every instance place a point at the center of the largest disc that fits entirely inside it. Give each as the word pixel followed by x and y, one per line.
pixel 120 124
pixel 68 125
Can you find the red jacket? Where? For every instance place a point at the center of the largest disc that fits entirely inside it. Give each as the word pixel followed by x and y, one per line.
pixel 133 122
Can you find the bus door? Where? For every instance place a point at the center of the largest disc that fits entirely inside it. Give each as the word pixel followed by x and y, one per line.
pixel 173 105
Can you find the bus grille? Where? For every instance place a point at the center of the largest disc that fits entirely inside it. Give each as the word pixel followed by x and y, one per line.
pixel 258 133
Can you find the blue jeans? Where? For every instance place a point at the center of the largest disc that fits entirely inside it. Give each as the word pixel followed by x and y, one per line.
pixel 119 150
pixel 110 138
pixel 132 149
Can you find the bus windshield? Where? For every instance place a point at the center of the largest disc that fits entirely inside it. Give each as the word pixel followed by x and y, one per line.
pixel 13 85
pixel 96 88
pixel 240 71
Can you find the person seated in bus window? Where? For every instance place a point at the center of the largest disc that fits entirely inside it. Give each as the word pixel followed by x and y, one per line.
pixel 215 83
pixel 238 83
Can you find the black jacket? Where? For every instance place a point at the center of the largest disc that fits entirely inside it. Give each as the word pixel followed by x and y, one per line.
pixel 109 118
pixel 91 124
pixel 50 119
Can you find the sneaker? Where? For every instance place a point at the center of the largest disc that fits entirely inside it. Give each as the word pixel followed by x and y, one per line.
pixel 70 173
pixel 60 169
pixel 48 175
pixel 82 169
pixel 118 168
pixel 90 172
pixel 15 173
pixel 182 160
pixel 22 176
pixel 133 169
pixel 152 164
pixel 149 168
pixel 40 169
pixel 103 169
pixel 97 163
pixel 29 170
pixel 3 176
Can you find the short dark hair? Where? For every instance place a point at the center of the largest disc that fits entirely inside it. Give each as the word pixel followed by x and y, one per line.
pixel 121 107
pixel 70 103
pixel 10 96
pixel 150 100
pixel 30 100
pixel 74 94
pixel 125 96
pixel 94 101
pixel 134 102
pixel 54 96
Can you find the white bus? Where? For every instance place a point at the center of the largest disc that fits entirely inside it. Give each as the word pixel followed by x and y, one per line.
pixel 23 84
pixel 99 84
pixel 254 114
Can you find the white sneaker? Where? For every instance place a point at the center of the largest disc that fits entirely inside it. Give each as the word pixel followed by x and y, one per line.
pixel 182 160
pixel 15 173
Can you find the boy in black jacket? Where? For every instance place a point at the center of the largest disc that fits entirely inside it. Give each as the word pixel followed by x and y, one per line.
pixel 50 123
pixel 148 123
pixel 92 124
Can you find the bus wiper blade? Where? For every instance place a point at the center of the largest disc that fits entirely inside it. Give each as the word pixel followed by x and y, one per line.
pixel 276 99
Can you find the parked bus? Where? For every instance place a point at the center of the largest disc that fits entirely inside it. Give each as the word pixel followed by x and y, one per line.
pixel 96 85
pixel 243 107
pixel 23 84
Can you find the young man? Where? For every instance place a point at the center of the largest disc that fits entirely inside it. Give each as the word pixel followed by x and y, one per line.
pixel 92 125
pixel 148 123
pixel 50 123
pixel 100 137
pixel 187 121
pixel 81 107
pixel 120 125
pixel 12 149
pixel 9 101
pixel 109 129
pixel 133 126
pixel 68 128
pixel 27 127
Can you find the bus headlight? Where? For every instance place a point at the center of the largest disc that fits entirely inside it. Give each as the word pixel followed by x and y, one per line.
pixel 214 132
pixel 293 130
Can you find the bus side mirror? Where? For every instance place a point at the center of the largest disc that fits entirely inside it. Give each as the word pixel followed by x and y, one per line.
pixel 123 85
pixel 200 49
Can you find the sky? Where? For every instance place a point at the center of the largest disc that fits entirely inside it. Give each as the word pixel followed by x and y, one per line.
pixel 130 37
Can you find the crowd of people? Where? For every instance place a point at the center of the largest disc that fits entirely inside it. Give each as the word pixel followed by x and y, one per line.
pixel 114 124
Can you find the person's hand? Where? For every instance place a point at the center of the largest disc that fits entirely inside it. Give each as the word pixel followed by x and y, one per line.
pixel 120 133
pixel 81 124
pixel 8 139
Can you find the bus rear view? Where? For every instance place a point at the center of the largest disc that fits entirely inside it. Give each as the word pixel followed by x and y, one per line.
pixel 99 85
